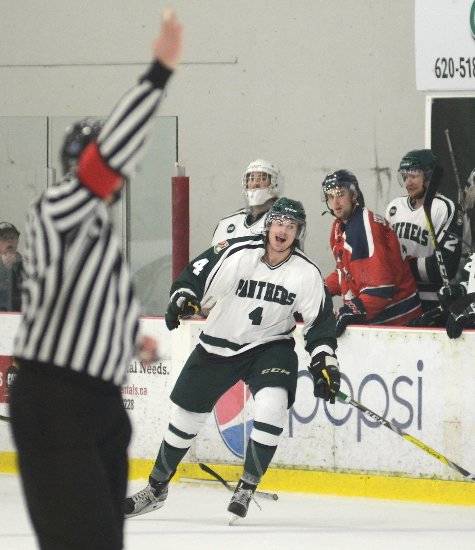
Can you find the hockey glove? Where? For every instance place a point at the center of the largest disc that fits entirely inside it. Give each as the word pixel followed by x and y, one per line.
pixel 435 317
pixel 352 313
pixel 326 376
pixel 461 315
pixel 181 305
pixel 449 294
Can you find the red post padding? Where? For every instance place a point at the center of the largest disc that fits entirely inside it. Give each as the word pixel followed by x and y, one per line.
pixel 180 223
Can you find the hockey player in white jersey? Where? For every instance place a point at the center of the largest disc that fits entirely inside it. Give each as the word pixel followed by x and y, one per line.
pixel 256 285
pixel 458 301
pixel 468 240
pixel 407 218
pixel 261 186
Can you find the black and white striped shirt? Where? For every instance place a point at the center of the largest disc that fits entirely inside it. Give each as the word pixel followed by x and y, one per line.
pixel 79 309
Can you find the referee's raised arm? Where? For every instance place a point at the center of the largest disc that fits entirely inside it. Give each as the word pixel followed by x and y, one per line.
pixel 105 163
pixel 80 323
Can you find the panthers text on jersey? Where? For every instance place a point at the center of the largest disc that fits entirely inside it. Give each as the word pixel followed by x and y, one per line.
pixel 410 226
pixel 254 303
pixel 236 225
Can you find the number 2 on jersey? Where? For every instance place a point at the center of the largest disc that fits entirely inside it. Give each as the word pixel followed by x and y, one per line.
pixel 256 315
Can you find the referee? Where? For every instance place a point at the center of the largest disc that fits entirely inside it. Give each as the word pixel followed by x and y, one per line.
pixel 79 327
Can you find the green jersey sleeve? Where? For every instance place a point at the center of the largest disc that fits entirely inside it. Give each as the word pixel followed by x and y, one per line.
pixel 212 270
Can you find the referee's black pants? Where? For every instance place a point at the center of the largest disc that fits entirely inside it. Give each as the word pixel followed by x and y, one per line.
pixel 72 441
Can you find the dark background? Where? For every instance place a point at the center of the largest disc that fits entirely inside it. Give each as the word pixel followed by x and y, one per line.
pixel 457 114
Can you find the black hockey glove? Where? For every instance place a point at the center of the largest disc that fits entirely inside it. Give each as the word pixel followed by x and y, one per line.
pixel 449 294
pixel 461 315
pixel 326 376
pixel 352 313
pixel 181 305
pixel 435 317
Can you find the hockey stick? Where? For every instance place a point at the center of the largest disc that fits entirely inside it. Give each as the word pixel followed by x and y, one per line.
pixel 460 191
pixel 343 398
pixel 427 205
pixel 229 487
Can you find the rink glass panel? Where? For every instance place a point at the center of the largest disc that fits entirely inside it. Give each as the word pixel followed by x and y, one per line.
pixel 29 157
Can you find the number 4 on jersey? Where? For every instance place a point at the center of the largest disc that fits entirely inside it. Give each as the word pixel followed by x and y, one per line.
pixel 198 266
pixel 256 315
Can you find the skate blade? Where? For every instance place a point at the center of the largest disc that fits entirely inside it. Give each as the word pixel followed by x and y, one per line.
pixel 144 511
pixel 234 519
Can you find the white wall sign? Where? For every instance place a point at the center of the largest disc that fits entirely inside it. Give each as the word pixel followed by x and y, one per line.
pixel 417 378
pixel 445 44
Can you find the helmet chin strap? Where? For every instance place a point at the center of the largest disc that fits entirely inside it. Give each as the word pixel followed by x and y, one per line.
pixel 330 211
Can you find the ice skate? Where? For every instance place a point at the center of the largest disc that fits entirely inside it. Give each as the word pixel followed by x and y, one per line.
pixel 147 500
pixel 240 501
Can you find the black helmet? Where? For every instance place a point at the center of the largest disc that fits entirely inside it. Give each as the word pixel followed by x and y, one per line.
pixel 419 159
pixel 77 137
pixel 290 209
pixel 342 178
pixel 8 231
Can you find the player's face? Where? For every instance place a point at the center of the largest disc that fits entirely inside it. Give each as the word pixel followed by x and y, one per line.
pixel 341 201
pixel 257 180
pixel 282 234
pixel 414 183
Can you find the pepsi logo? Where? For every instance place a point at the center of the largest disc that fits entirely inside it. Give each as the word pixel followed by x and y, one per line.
pixel 230 415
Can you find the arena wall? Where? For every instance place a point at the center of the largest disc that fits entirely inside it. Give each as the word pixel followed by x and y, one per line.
pixel 417 378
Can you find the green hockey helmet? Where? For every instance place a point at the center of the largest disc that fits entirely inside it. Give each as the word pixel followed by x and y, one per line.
pixel 287 209
pixel 422 160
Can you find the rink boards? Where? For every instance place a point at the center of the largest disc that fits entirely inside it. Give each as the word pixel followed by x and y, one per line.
pixel 417 378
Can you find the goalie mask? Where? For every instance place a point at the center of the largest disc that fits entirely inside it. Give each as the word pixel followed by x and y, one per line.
pixel 261 182
pixel 341 179
pixel 287 209
pixel 77 137
pixel 421 161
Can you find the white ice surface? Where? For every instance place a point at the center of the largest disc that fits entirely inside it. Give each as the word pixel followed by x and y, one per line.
pixel 195 518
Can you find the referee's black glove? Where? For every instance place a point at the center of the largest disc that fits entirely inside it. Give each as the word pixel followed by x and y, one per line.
pixel 181 305
pixel 326 376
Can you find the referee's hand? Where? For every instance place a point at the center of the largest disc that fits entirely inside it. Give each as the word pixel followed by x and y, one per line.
pixel 168 47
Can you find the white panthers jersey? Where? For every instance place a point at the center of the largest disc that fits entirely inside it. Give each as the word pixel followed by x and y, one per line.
pixel 254 303
pixel 237 225
pixel 410 224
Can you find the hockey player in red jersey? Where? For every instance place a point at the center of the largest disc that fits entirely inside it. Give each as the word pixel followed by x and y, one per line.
pixel 376 284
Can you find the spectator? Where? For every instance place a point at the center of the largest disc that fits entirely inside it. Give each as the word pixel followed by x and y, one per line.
pixel 10 268
pixel 407 218
pixel 372 278
pixel 261 186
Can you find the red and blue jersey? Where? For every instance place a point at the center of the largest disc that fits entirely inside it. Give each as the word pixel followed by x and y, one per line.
pixel 369 266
